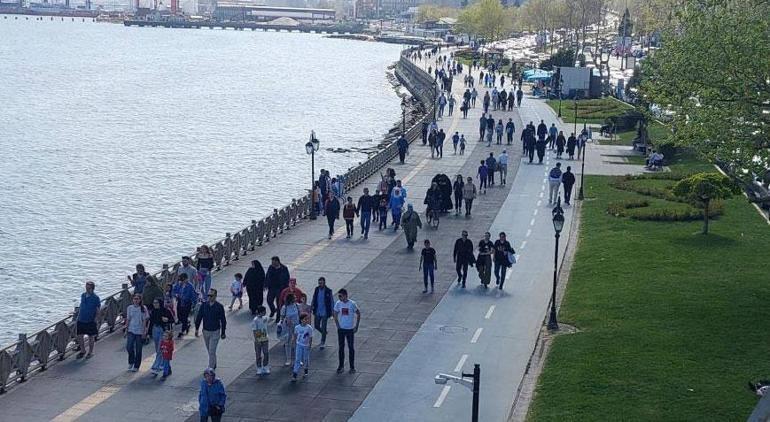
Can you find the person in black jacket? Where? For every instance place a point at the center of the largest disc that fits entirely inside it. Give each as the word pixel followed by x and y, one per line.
pixel 212 315
pixel 364 209
pixel 322 306
pixel 568 180
pixel 502 252
pixel 255 285
pixel 542 130
pixel 332 209
pixel 463 256
pixel 276 279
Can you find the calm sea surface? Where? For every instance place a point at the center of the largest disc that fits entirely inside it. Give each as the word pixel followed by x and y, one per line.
pixel 124 145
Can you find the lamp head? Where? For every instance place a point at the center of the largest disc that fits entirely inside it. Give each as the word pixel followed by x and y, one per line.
pixel 439 379
pixel 314 141
pixel 558 222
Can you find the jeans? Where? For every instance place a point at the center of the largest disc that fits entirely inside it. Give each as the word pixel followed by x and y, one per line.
pixel 320 322
pixel 349 227
pixel 553 190
pixel 205 275
pixel 491 178
pixel 567 193
pixel 500 270
pixel 503 169
pixel 396 213
pixel 462 271
pixel 206 418
pixel 383 219
pixel 301 358
pixel 468 205
pixel 483 182
pixel 510 138
pixel 348 336
pixel 166 366
pixel 262 351
pixel 134 348
pixel 157 336
pixel 272 301
pixel 428 272
pixel 330 219
pixel 458 203
pixel 366 219
pixel 211 340
pixel 401 156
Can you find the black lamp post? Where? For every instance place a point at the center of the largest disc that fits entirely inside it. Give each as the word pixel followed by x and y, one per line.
pixel 403 116
pixel 561 86
pixel 311 147
pixel 558 225
pixel 435 98
pixel 582 166
pixel 476 376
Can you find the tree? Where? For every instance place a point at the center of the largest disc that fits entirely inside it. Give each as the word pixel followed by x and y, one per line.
pixel 430 12
pixel 713 73
pixel 487 19
pixel 562 58
pixel 702 188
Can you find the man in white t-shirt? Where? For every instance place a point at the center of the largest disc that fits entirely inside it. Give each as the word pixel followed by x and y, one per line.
pixel 347 325
pixel 304 334
pixel 136 331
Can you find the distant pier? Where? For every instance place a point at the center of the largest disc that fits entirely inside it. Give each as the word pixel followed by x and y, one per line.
pixel 318 29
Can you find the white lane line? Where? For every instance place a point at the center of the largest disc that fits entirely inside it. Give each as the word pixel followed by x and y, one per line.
pixel 476 335
pixel 460 364
pixel 539 202
pixel 545 179
pixel 542 193
pixel 542 188
pixel 442 396
pixel 489 312
pixel 536 210
pixel 529 232
pixel 532 223
pixel 523 245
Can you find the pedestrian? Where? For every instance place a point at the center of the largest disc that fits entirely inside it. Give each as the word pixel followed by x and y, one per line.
pixel 424 131
pixel 482 126
pixel 289 318
pixel 554 181
pixel 440 137
pixel 568 180
pixel 403 148
pixel 192 274
pixel 322 308
pixel 212 315
pixel 499 130
pixel 571 143
pixel 137 319
pixel 457 189
pixel 560 142
pixel 347 326
pixel 540 148
pixel 455 141
pixel 474 94
pixel 504 258
pixel 254 280
pixel 138 279
pixel 303 333
pixel 204 265
pixel 276 279
pixel 462 256
pixel 211 397
pixel 552 132
pixel 236 290
pixel 519 96
pixel 581 143
pixel 161 323
pixel 332 209
pixel 167 353
pixel 451 102
pixel 291 289
pixel 432 142
pixel 382 210
pixel 483 174
pixel 186 297
pixel 261 341
pixel 349 214
pixel 441 105
pixel 469 194
pixel 90 306
pixel 428 265
pixel 364 209
pixel 484 260
pixel 490 129
pixel 502 166
pixel 410 221
pixel 395 205
pixel 462 144
pixel 486 102
pixel 464 108
pixel 510 128
pixel 152 290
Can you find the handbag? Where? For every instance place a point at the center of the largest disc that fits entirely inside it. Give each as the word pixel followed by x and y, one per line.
pixel 214 409
pixel 511 258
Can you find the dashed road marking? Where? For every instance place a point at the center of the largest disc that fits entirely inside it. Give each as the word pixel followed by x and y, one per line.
pixel 442 396
pixel 529 232
pixel 489 312
pixel 463 358
pixel 532 222
pixel 539 203
pixel 535 213
pixel 476 335
pixel 523 245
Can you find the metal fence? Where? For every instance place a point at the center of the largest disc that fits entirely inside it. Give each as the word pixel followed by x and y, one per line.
pixel 34 353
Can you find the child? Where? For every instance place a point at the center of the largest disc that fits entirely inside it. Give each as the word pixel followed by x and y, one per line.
pixel 303 306
pixel 261 341
pixel 167 351
pixel 304 334
pixel 236 288
pixel 383 210
pixel 462 144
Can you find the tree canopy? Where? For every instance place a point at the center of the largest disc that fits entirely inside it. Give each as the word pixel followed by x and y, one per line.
pixel 431 12
pixel 487 19
pixel 713 72
pixel 702 188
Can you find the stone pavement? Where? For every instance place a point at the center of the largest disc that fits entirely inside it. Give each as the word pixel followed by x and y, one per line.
pixel 381 276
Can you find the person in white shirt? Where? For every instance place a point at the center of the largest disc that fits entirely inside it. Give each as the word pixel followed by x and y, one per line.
pixel 554 182
pixel 304 334
pixel 261 341
pixel 137 318
pixel 236 289
pixel 347 325
pixel 502 166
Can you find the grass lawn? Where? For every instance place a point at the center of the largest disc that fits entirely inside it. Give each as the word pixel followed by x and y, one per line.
pixel 672 322
pixel 589 111
pixel 655 130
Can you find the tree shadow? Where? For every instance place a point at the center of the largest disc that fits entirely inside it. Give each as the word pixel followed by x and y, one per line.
pixel 708 241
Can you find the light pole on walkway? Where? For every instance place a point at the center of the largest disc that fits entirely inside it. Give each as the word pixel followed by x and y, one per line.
pixel 558 225
pixel 561 85
pixel 403 116
pixel 582 164
pixel 472 381
pixel 311 147
pixel 435 98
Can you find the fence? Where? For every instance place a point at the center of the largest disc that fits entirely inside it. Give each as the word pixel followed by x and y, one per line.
pixel 34 353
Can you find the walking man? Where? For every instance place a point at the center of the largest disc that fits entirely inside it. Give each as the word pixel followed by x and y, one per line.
pixel 403 148
pixel 322 308
pixel 510 128
pixel 185 296
pixel 568 180
pixel 347 326
pixel 554 180
pixel 463 256
pixel 502 166
pixel 364 209
pixel 137 319
pixel 90 305
pixel 276 279
pixel 212 314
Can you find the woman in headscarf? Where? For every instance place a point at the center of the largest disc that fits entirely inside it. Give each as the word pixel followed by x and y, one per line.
pixel 410 221
pixel 152 291
pixel 255 285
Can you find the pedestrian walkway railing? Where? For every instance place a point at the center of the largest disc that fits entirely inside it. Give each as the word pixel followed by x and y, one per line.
pixel 36 352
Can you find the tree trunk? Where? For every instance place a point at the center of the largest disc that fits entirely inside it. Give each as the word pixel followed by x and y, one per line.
pixel 706 217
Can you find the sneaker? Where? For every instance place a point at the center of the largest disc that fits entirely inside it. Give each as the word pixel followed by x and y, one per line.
pixel 431 289
pixel 89 356
pixel 134 369
pixel 340 370
pixel 352 370
pixel 266 370
pixel 293 377
pixel 130 367
pixel 424 291
pixel 322 346
pixel 80 355
pixel 287 363
pixel 163 378
pixel 260 370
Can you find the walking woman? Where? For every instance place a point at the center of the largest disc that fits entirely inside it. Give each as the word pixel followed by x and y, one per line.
pixel 204 266
pixel 410 221
pixel 457 189
pixel 289 318
pixel 332 210
pixel 484 260
pixel 503 259
pixel 428 265
pixel 161 320
pixel 469 194
pixel 499 129
pixel 211 397
pixel 255 285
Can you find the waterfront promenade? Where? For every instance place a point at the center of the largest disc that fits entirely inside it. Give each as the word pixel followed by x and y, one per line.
pixel 399 327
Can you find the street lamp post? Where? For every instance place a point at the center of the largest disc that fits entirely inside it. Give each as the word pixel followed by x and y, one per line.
pixel 471 381
pixel 311 147
pixel 403 116
pixel 558 225
pixel 582 168
pixel 435 98
pixel 561 86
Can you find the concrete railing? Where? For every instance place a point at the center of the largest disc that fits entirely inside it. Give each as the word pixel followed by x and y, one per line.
pixel 34 353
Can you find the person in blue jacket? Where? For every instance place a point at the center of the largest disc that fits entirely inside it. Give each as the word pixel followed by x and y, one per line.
pixel 212 397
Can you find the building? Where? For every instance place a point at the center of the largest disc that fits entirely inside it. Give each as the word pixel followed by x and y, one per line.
pixel 239 11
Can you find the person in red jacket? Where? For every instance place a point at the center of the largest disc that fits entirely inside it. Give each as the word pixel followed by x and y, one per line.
pixel 167 351
pixel 349 214
pixel 291 290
